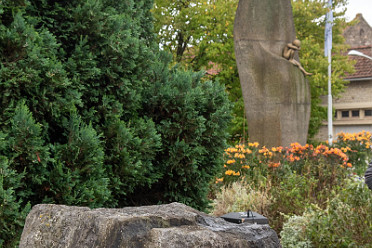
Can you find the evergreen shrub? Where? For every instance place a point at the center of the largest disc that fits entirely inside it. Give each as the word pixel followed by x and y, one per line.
pixel 92 114
pixel 12 211
pixel 189 115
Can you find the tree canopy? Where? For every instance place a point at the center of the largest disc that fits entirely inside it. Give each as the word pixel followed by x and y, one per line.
pixel 199 35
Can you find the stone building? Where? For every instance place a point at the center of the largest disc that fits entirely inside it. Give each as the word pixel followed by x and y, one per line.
pixel 359 34
pixel 353 108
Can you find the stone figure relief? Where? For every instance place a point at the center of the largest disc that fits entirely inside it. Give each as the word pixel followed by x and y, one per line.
pixel 289 53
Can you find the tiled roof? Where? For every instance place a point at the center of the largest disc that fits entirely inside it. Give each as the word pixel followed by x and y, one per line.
pixel 363 66
pixel 214 70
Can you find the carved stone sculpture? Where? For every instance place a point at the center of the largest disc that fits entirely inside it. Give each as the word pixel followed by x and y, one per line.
pixel 289 53
pixel 276 93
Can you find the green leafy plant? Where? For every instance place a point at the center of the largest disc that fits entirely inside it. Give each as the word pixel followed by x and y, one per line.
pixel 293 234
pixel 344 222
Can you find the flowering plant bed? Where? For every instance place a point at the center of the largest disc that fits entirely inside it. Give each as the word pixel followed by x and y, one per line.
pixel 309 181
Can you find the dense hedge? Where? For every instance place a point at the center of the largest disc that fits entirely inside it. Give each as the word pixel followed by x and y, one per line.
pixel 91 113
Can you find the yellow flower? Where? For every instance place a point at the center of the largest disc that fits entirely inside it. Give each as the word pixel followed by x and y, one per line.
pixel 255 144
pixel 219 180
pixel 236 173
pixel 345 149
pixel 231 161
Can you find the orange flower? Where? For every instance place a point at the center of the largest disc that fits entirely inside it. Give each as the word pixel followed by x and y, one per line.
pixel 231 161
pixel 263 150
pixel 274 165
pixel 239 155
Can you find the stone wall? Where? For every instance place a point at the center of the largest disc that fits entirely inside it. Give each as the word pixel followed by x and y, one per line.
pixel 356 92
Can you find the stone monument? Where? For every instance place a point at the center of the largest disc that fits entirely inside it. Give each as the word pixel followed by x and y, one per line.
pixel 275 91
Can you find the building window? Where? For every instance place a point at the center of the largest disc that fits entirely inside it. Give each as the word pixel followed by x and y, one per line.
pixel 355 113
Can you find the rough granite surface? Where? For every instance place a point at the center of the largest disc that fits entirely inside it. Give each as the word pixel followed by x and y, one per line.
pixel 171 225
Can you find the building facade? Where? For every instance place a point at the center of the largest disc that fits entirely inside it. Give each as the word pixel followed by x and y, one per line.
pixel 353 108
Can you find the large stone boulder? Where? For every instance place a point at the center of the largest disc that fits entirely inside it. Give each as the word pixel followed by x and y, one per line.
pixel 172 225
pixel 276 93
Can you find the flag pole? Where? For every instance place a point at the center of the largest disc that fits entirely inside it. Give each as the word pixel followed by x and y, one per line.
pixel 330 121
pixel 327 50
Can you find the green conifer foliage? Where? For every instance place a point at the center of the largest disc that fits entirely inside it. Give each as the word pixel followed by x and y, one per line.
pixel 191 117
pixel 92 115
pixel 30 70
pixel 28 154
pixel 12 211
pixel 78 175
pixel 131 150
pixel 109 52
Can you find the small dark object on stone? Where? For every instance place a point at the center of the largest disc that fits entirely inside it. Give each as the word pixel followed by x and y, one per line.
pixel 245 217
pixel 368 176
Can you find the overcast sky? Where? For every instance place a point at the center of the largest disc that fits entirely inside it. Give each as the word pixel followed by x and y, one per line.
pixel 359 6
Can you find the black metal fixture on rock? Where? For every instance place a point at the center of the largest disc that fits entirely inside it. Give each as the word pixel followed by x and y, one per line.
pixel 245 217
